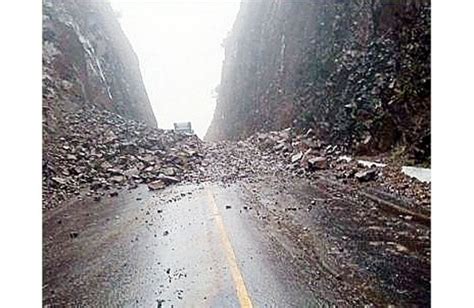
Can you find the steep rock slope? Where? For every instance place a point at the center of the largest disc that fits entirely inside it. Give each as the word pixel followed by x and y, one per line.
pixel 87 60
pixel 357 72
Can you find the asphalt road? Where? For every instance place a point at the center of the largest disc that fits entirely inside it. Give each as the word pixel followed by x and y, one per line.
pixel 238 245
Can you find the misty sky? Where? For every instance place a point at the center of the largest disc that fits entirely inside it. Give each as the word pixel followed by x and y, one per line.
pixel 179 47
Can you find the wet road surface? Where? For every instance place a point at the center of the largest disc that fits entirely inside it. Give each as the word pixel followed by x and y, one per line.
pixel 199 248
pixel 235 245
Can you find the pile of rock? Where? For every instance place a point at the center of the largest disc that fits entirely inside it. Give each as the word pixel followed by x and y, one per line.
pixel 393 180
pixel 98 153
pixel 226 162
pixel 305 155
pixel 266 153
pixel 302 152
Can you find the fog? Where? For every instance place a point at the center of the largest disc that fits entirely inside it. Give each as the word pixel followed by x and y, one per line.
pixel 179 46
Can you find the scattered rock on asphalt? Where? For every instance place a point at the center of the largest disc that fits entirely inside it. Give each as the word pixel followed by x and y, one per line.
pixel 168 179
pixel 156 185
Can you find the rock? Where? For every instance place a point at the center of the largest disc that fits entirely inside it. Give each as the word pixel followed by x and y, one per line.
pixel 228 207
pixel 169 171
pixel 128 147
pixel 344 158
pixel 366 175
pixel 131 172
pixel 365 163
pixel 310 132
pixel 113 194
pixel 59 180
pixel 106 165
pixel 168 179
pixel 399 247
pixel 114 171
pixel 296 157
pixel 117 179
pixel 280 146
pixel 317 163
pixel 191 153
pixel 110 136
pixel 148 159
pixel 73 234
pixel 156 185
pixel 262 136
pixel 71 157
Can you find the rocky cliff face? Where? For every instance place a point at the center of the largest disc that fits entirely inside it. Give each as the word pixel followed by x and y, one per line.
pixel 357 72
pixel 88 61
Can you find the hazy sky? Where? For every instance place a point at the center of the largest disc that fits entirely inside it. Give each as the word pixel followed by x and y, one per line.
pixel 179 47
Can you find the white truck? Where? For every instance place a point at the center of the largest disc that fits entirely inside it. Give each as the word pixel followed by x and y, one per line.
pixel 183 127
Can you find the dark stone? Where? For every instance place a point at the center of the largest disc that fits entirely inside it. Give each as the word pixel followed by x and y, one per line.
pixel 366 175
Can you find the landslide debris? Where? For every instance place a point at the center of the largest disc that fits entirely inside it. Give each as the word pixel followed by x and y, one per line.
pixel 96 152
pixel 100 153
pixel 289 154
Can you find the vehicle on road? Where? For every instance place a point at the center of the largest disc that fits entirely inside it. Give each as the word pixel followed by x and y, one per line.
pixel 183 127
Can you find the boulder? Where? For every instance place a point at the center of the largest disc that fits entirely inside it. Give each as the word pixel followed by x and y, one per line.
pixel 156 185
pixel 168 179
pixel 170 171
pixel 296 157
pixel 317 163
pixel 59 180
pixel 117 179
pixel 366 175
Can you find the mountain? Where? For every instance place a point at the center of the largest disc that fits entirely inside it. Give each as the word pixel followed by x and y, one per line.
pixel 356 72
pixel 88 61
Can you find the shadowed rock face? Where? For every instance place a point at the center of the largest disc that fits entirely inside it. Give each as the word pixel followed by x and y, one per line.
pixel 87 60
pixel 357 72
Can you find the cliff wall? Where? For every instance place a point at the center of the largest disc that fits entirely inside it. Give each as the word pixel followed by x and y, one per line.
pixel 357 72
pixel 87 60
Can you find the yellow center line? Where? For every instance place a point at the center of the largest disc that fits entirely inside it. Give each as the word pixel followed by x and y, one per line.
pixel 239 283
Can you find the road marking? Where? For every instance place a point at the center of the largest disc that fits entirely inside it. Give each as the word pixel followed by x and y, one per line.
pixel 239 283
